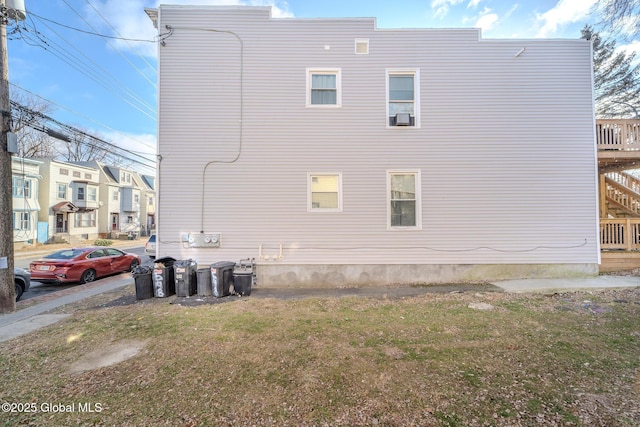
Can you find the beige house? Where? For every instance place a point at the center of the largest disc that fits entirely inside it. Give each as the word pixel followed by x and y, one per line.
pixel 337 153
pixel 70 197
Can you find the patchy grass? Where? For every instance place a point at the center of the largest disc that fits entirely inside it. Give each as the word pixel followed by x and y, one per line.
pixel 566 359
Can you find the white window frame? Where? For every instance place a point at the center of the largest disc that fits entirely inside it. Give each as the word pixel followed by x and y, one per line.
pixel 22 220
pixel 415 72
pixel 418 199
pixel 335 71
pixel 66 188
pixel 310 176
pixel 92 193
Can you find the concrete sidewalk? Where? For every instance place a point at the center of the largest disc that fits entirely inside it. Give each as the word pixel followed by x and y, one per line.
pixel 36 316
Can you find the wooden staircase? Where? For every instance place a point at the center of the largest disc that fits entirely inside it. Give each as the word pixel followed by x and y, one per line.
pixel 622 195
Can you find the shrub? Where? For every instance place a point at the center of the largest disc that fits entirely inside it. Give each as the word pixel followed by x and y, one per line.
pixel 104 242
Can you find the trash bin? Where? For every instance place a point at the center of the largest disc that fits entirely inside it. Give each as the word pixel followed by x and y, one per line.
pixel 144 283
pixel 163 277
pixel 185 273
pixel 222 278
pixel 204 282
pixel 243 274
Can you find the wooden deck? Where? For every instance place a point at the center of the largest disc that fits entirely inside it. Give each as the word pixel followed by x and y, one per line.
pixel 618 143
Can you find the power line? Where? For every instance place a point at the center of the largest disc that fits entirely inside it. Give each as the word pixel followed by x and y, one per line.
pixel 112 84
pixel 89 32
pixel 120 35
pixel 33 123
pixel 114 48
pixel 85 117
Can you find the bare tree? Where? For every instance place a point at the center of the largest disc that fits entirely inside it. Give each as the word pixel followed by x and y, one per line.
pixel 620 17
pixel 82 147
pixel 28 125
pixel 616 76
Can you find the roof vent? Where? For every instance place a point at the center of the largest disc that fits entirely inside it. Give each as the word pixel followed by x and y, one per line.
pixel 403 119
pixel 362 46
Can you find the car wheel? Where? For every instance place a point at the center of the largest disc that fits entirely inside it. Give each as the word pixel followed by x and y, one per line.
pixel 134 264
pixel 19 291
pixel 88 276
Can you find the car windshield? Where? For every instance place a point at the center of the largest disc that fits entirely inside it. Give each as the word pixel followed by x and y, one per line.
pixel 65 254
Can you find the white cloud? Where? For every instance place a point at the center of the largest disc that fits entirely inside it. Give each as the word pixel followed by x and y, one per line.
pixel 486 22
pixel 564 12
pixel 473 4
pixel 131 22
pixel 441 7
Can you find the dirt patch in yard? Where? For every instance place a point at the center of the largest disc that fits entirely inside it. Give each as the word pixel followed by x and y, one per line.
pixel 109 355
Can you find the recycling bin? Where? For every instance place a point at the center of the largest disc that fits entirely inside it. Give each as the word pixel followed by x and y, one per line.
pixel 163 277
pixel 222 278
pixel 204 282
pixel 185 274
pixel 243 274
pixel 144 283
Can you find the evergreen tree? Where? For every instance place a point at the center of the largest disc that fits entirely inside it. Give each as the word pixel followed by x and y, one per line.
pixel 615 76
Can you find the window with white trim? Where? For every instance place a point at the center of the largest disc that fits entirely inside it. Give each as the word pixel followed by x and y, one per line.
pixel 92 194
pixel 403 199
pixel 62 191
pixel 324 192
pixel 22 221
pixel 324 87
pixel 21 187
pixel 403 98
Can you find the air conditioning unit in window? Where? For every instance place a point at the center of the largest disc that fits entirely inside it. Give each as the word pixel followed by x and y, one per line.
pixel 403 119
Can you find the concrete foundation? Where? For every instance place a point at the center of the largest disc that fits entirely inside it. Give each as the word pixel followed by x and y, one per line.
pixel 338 275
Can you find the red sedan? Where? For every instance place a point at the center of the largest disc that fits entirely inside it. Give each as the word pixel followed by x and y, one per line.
pixel 82 265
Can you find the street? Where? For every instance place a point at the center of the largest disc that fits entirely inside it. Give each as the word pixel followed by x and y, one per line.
pixel 38 288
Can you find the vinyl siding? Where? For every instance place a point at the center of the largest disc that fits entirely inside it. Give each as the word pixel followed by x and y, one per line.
pixel 505 148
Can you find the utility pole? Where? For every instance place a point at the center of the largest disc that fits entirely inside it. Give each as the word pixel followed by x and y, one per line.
pixel 9 9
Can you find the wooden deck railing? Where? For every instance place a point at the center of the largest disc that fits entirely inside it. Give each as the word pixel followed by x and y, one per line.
pixel 626 179
pixel 622 196
pixel 620 233
pixel 618 134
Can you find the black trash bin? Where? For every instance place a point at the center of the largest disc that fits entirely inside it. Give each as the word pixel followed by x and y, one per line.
pixel 163 277
pixel 243 275
pixel 144 283
pixel 204 282
pixel 222 278
pixel 185 273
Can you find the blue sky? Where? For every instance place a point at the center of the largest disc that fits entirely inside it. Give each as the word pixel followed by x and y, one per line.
pixel 108 86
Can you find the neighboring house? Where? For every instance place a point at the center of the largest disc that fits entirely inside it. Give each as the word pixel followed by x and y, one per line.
pixel 26 182
pixel 147 204
pixel 70 193
pixel 337 153
pixel 121 196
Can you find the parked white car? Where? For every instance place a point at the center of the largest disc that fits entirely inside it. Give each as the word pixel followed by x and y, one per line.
pixel 150 246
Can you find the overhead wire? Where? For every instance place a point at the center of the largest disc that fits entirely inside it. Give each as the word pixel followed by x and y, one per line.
pixel 142 58
pixel 115 48
pixel 129 137
pixel 40 127
pixel 112 84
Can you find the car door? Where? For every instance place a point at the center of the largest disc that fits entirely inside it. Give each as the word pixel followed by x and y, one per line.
pixel 99 261
pixel 118 260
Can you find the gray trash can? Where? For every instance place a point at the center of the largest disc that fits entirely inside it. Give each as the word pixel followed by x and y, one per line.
pixel 163 278
pixel 243 277
pixel 204 282
pixel 144 283
pixel 185 273
pixel 222 278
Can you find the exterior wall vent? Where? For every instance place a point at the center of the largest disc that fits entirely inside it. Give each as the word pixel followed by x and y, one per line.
pixel 362 46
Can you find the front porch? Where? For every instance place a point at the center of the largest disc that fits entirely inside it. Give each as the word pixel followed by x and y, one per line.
pixel 618 143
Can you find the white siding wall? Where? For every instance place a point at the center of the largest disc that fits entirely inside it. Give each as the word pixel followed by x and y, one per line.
pixel 505 148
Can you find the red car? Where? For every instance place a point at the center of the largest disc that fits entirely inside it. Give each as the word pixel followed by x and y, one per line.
pixel 82 265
